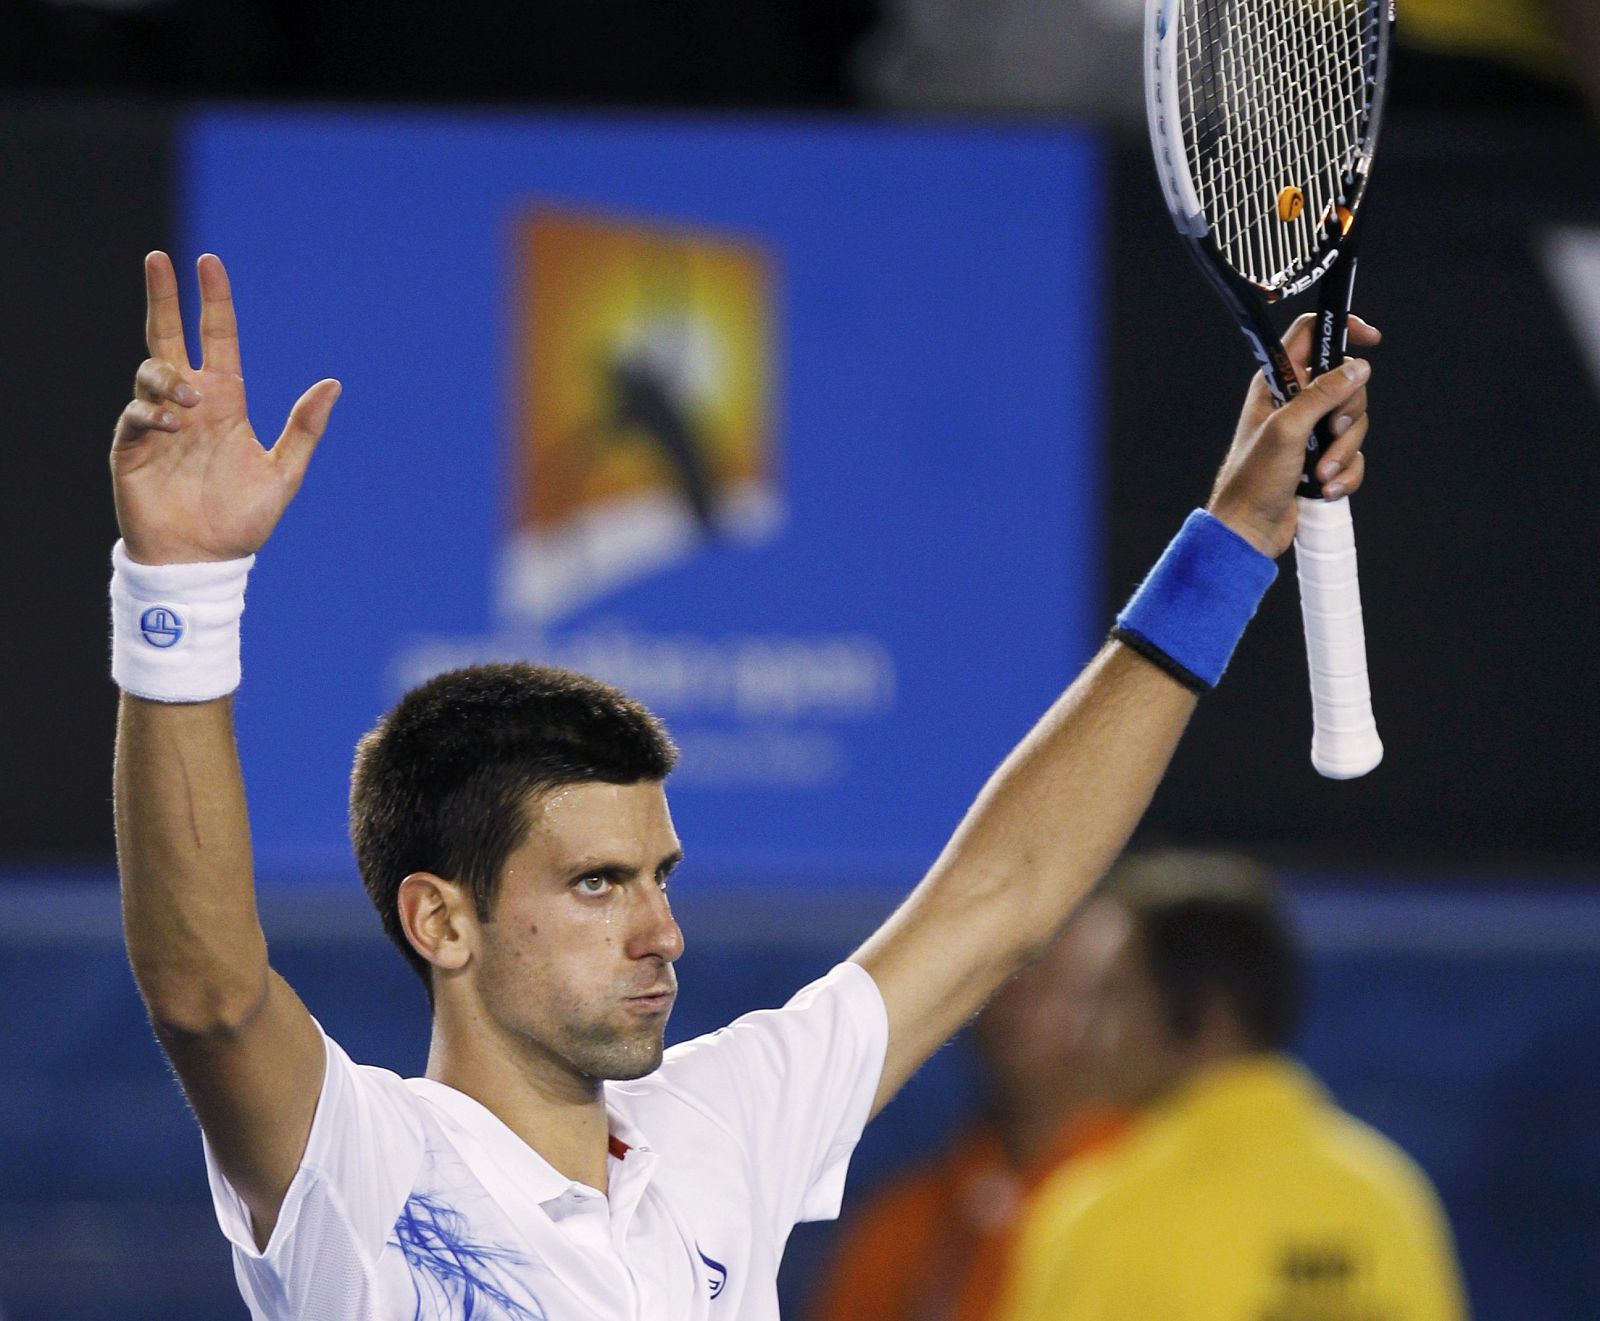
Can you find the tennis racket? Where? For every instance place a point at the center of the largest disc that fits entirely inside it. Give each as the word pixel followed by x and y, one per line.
pixel 1263 117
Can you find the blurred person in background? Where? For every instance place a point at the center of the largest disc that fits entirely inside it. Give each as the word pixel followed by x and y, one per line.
pixel 932 1246
pixel 1032 56
pixel 1240 1192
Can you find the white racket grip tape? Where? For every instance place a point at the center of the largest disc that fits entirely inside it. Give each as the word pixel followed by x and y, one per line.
pixel 1344 736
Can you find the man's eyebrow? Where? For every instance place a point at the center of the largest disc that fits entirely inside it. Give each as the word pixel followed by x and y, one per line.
pixel 599 864
pixel 596 866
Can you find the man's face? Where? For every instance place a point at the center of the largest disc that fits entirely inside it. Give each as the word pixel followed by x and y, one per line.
pixel 576 960
pixel 1138 1058
pixel 1034 1036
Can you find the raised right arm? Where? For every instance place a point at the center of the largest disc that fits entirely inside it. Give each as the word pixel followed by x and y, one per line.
pixel 194 486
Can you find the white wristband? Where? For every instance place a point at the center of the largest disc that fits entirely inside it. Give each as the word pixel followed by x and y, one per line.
pixel 175 627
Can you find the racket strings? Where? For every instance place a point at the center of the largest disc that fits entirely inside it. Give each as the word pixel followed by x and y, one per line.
pixel 1274 96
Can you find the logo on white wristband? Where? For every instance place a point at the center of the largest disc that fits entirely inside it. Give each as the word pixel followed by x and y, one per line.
pixel 161 626
pixel 175 627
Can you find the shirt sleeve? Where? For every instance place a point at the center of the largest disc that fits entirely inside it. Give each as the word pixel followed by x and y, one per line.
pixel 795 1087
pixel 361 1159
pixel 1429 1276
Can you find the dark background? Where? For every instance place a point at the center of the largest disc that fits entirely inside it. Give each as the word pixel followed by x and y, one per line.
pixel 1449 901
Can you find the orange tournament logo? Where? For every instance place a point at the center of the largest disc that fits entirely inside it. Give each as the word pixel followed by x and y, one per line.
pixel 644 420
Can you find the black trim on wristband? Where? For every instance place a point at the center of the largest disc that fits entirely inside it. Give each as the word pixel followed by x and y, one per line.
pixel 1163 662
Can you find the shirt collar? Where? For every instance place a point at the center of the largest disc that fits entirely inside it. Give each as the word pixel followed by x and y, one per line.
pixel 629 1172
pixel 624 1132
pixel 1243 1089
pixel 477 1128
pixel 482 1128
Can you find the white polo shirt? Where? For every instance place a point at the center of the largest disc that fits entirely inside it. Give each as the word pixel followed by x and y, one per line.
pixel 415 1202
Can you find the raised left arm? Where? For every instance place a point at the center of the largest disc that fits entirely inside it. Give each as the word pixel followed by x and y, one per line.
pixel 1060 808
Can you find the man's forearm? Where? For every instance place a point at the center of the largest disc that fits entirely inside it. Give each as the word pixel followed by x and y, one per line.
pixel 1061 807
pixel 1050 820
pixel 1063 804
pixel 183 849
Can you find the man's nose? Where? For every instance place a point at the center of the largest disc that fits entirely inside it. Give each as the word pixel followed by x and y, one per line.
pixel 658 933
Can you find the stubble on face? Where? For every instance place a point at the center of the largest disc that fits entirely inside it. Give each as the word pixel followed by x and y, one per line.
pixel 562 972
pixel 620 1058
pixel 564 1009
pixel 595 1039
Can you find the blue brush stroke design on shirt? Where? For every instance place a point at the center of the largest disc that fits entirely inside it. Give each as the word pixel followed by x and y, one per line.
pixel 721 1281
pixel 460 1279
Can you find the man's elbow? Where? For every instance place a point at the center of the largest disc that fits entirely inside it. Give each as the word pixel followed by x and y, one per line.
pixel 187 1009
pixel 1014 918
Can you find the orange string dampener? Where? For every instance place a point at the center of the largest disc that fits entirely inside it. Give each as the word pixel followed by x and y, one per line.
pixel 1291 202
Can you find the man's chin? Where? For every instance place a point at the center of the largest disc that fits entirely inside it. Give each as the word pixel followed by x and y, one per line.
pixel 624 1060
pixel 648 1059
pixel 633 1071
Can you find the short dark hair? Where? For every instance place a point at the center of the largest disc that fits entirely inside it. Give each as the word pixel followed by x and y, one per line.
pixel 442 783
pixel 1212 924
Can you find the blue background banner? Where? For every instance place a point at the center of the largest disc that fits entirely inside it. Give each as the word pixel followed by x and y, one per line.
pixel 842 682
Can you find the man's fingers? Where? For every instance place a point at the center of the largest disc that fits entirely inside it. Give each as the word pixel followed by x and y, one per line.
pixel 1364 333
pixel 1297 343
pixel 1349 477
pixel 1343 419
pixel 1343 450
pixel 142 416
pixel 160 382
pixel 1335 390
pixel 163 322
pixel 219 328
pixel 1342 395
pixel 308 419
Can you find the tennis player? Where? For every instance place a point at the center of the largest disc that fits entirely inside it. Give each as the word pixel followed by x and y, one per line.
pixel 512 827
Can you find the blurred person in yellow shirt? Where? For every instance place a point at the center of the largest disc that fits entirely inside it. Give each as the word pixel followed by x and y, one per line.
pixel 1240 1192
pixel 932 1245
pixel 1518 31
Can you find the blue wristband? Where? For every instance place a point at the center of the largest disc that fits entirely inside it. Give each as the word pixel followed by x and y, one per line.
pixel 1190 612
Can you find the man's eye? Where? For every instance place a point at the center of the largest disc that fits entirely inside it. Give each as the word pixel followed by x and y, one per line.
pixel 593 884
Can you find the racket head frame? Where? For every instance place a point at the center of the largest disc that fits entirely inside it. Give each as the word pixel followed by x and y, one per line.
pixel 1247 298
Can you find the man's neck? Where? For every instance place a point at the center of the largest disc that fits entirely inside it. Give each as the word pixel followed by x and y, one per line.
pixel 558 1113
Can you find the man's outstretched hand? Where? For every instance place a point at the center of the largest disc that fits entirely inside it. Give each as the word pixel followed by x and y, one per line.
pixel 191 481
pixel 1255 491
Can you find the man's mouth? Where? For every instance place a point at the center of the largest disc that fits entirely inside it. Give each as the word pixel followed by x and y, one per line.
pixel 656 1001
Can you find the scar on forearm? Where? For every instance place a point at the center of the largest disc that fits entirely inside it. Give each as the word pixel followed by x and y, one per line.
pixel 188 802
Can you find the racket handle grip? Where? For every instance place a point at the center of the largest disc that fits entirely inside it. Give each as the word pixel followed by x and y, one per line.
pixel 1344 739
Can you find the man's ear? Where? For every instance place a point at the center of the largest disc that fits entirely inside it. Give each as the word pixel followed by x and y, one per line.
pixel 439 920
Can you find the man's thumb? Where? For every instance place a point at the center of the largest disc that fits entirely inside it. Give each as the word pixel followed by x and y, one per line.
pixel 308 419
pixel 1326 393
